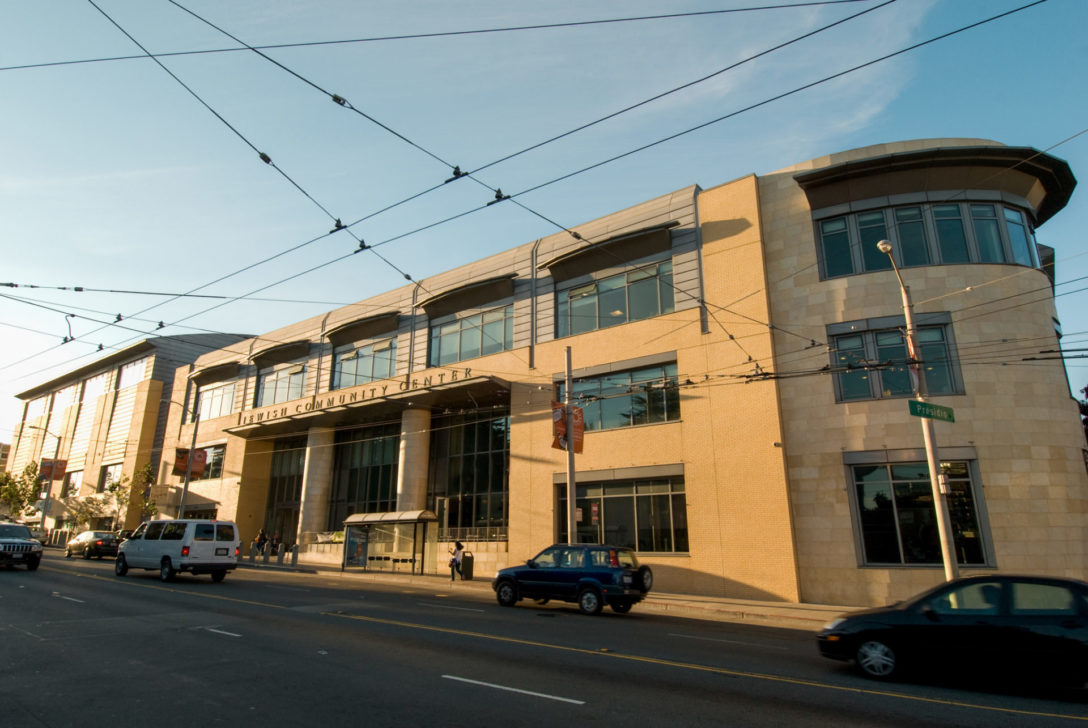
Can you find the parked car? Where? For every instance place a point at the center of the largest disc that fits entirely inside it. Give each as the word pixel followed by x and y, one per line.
pixel 18 546
pixel 92 544
pixel 588 574
pixel 995 622
pixel 195 545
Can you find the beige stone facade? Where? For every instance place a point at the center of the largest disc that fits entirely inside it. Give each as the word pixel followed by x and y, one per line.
pixel 729 442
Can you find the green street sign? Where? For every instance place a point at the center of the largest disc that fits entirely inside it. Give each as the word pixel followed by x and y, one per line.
pixel 930 411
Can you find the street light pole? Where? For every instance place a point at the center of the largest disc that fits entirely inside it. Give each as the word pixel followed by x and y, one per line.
pixel 189 460
pixel 937 480
pixel 52 472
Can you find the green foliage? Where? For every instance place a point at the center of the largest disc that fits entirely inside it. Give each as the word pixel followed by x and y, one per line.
pixel 82 510
pixel 19 492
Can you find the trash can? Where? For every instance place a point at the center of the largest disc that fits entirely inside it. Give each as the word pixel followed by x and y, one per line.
pixel 466 565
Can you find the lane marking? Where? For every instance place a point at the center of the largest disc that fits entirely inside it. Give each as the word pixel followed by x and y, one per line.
pixel 71 599
pixel 618 656
pixel 444 606
pixel 711 669
pixel 219 631
pixel 730 642
pixel 514 690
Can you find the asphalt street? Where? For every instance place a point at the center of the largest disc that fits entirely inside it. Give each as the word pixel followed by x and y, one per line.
pixel 265 648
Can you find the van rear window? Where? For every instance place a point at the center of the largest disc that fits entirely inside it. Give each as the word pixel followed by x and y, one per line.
pixel 205 532
pixel 224 532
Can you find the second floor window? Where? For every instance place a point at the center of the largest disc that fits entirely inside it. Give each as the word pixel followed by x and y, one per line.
pixel 472 336
pixel 625 399
pixel 215 400
pixel 109 474
pixel 213 463
pixel 633 295
pixel 280 385
pixel 873 364
pixel 361 364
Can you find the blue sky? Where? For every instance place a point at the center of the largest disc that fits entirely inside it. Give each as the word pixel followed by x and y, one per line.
pixel 114 176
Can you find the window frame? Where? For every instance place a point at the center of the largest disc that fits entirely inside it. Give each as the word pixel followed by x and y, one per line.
pixel 363 351
pixel 217 404
pixel 844 224
pixel 870 330
pixel 607 283
pixel 593 399
pixel 294 376
pixel 597 498
pixel 106 475
pixel 466 324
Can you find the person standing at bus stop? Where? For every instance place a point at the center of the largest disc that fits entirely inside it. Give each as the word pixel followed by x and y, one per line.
pixel 457 553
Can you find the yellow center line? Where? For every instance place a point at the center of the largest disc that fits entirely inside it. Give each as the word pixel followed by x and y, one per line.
pixel 604 653
pixel 706 668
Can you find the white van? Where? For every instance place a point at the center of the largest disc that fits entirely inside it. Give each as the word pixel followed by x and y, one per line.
pixel 194 545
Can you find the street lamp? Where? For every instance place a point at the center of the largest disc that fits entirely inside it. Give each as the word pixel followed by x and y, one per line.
pixel 192 450
pixel 937 480
pixel 52 472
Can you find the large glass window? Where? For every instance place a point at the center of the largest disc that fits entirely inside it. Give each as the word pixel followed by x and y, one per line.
pixel 354 365
pixel 898 518
pixel 631 296
pixel 472 336
pixel 364 473
pixel 873 364
pixel 469 475
pixel 280 385
pixel 932 234
pixel 108 475
pixel 624 399
pixel 285 489
pixel 215 400
pixel 213 463
pixel 646 515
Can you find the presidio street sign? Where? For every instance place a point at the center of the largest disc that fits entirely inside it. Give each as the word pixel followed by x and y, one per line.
pixel 930 411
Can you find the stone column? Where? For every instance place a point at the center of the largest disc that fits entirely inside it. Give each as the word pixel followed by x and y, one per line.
pixel 415 444
pixel 316 481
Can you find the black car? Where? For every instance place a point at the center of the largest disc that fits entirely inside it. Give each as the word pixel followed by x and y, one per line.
pixel 92 544
pixel 18 546
pixel 984 623
pixel 589 574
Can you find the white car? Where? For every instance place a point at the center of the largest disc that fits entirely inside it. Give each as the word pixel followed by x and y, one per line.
pixel 194 545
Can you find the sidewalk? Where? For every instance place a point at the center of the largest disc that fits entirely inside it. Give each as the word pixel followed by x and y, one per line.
pixel 808 617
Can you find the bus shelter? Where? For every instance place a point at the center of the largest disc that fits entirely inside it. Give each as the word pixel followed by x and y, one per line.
pixel 399 541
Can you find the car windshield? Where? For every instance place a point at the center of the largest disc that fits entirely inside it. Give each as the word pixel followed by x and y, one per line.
pixel 103 534
pixel 8 530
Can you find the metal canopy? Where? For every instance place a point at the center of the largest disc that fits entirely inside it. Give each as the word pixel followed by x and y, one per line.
pixel 358 519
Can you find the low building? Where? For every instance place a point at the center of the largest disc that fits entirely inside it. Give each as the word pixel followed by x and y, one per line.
pixel 738 354
pixel 98 425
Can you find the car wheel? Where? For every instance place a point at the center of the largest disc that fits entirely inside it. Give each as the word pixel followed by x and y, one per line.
pixel 877 659
pixel 166 570
pixel 589 601
pixel 644 579
pixel 507 594
pixel 67 554
pixel 87 552
pixel 120 566
pixel 217 576
pixel 32 564
pixel 620 606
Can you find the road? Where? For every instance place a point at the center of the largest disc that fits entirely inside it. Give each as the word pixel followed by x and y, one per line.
pixel 83 647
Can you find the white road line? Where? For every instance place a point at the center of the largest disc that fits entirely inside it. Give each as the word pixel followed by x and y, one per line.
pixel 513 690
pixel 71 599
pixel 443 606
pixel 731 642
pixel 219 631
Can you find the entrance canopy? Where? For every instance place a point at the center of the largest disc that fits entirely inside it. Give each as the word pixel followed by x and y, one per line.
pixel 357 519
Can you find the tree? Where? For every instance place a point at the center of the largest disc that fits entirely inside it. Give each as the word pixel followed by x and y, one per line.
pixel 18 492
pixel 83 510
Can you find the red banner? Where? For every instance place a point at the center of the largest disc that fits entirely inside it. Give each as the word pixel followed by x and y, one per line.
pixel 50 469
pixel 559 427
pixel 181 462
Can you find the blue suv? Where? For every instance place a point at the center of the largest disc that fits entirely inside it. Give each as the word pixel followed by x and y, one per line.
pixel 590 575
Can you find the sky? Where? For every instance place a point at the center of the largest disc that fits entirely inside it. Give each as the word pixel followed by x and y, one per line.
pixel 135 179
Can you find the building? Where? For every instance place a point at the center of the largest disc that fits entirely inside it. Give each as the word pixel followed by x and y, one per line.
pixel 739 357
pixel 98 425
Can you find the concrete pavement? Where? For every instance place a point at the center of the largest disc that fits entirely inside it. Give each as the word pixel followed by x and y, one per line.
pixel 808 617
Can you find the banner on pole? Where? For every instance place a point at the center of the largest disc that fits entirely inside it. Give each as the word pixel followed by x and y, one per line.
pixel 559 427
pixel 181 462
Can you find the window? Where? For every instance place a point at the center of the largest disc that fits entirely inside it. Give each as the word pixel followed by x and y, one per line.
pixel 647 515
pixel 1040 599
pixel 280 385
pixel 72 482
pixel 213 463
pixel 631 296
pixel 929 234
pixel 174 531
pixel 469 475
pixel 354 365
pixel 472 336
pixel 215 400
pixel 625 399
pixel 872 364
pixel 109 474
pixel 899 521
pixel 364 478
pixel 204 532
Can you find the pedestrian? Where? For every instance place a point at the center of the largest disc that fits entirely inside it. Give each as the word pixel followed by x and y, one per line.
pixel 262 539
pixel 457 552
pixel 274 544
